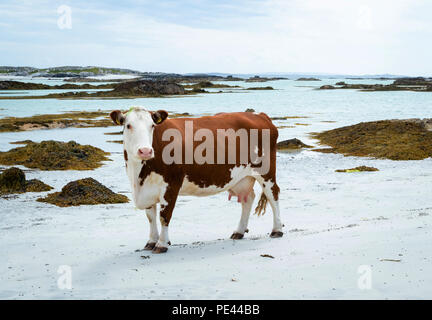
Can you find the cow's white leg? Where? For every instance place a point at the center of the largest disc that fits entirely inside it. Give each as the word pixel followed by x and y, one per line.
pixel 154 232
pixel 271 192
pixel 243 190
pixel 168 200
pixel 243 223
pixel 163 238
pixel 277 223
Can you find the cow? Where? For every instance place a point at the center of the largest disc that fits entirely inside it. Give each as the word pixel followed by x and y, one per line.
pixel 148 146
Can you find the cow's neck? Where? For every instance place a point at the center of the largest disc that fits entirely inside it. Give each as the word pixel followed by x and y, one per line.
pixel 133 170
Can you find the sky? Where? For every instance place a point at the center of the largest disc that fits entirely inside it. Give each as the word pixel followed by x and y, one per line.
pixel 244 36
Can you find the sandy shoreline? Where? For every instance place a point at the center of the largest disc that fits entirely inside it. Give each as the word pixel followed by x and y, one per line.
pixel 334 223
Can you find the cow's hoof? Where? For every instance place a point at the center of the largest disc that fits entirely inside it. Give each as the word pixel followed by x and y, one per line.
pixel 159 250
pixel 236 236
pixel 150 245
pixel 276 234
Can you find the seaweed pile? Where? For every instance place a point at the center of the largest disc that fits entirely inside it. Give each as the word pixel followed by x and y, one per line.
pixel 291 144
pixel 86 191
pixel 54 155
pixel 389 139
pixel 13 180
pixel 358 169
pixel 63 120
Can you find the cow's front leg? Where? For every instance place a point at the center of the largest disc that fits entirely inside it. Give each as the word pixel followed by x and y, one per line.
pixel 167 207
pixel 154 232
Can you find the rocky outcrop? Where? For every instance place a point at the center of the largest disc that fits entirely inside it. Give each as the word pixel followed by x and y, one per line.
pixel 18 85
pixel 145 88
pixel 419 81
pixel 406 84
pixel 327 87
pixel 260 88
pixel 263 79
pixel 86 191
pixel 308 79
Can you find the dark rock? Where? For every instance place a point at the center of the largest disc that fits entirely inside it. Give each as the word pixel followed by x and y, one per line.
pixel 308 79
pixel 249 110
pixel 18 85
pixel 260 88
pixel 291 144
pixel 146 88
pixel 327 87
pixel 418 81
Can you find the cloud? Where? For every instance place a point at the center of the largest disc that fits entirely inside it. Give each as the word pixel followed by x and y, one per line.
pixel 335 36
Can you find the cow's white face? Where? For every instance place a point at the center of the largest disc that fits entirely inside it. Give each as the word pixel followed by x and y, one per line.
pixel 138 125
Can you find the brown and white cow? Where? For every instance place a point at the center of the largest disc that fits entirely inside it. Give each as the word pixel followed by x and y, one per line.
pixel 156 179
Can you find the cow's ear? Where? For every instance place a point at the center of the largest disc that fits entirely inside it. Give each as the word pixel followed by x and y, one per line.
pixel 159 116
pixel 117 117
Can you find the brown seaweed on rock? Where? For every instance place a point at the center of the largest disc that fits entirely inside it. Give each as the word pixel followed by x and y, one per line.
pixel 358 169
pixel 55 155
pixel 389 139
pixel 64 120
pixel 86 191
pixel 260 88
pixel 291 144
pixel 13 180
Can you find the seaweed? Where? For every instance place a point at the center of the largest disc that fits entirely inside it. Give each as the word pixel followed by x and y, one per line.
pixel 55 155
pixel 388 139
pixel 63 120
pixel 86 191
pixel 358 169
pixel 291 144
pixel 13 180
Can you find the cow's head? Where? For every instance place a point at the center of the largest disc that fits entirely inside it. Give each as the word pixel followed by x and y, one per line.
pixel 138 125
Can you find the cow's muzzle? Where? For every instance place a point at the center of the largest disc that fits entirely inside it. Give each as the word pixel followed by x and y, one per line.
pixel 145 153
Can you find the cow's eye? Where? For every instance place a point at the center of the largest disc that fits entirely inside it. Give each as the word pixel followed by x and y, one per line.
pixel 128 126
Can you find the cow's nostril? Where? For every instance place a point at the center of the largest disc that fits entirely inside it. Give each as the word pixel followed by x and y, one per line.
pixel 145 152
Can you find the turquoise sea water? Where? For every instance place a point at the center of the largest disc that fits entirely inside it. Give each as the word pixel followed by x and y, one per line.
pixel 290 98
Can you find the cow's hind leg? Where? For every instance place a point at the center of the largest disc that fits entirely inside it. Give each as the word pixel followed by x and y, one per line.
pixel 271 192
pixel 245 194
pixel 243 223
pixel 154 232
pixel 167 207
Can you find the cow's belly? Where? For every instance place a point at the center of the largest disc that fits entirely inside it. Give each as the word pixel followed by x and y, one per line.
pixel 189 188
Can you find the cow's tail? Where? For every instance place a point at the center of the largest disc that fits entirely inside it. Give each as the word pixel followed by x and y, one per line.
pixel 262 204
